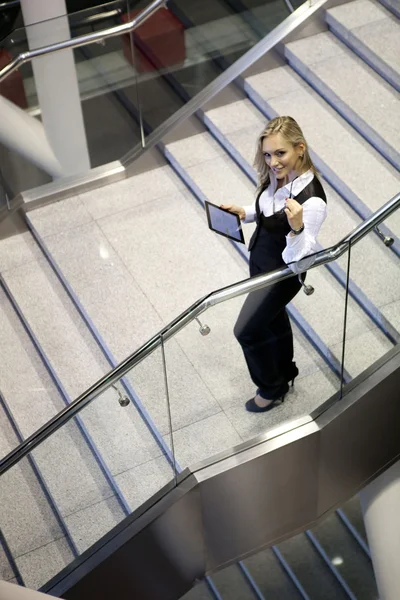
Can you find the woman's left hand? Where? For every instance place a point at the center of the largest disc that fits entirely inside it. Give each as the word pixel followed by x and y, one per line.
pixel 294 213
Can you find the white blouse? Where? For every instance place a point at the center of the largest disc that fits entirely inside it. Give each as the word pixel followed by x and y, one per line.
pixel 314 214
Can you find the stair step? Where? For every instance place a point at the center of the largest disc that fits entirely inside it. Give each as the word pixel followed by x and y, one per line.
pixel 199 592
pixel 361 96
pixel 370 31
pixel 310 569
pixel 345 554
pixel 231 583
pixel 28 524
pixel 270 576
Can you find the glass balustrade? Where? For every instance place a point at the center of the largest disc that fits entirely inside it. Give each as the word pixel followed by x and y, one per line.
pixel 128 85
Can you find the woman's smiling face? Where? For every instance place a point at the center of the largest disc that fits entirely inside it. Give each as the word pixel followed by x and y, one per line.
pixel 281 156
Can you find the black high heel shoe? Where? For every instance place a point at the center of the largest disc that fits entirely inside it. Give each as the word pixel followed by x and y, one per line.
pixel 251 406
pixel 293 376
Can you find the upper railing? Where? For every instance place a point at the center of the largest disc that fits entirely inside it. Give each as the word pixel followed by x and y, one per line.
pixel 192 313
pixel 83 40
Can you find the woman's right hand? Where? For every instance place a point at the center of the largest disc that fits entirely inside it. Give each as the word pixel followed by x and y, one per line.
pixel 237 210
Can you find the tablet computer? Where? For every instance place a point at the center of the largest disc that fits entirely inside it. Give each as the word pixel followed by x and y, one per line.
pixel 223 222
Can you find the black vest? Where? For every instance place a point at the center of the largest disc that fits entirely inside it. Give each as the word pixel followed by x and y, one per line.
pixel 269 239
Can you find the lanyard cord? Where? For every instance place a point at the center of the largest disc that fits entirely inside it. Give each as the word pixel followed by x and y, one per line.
pixel 290 196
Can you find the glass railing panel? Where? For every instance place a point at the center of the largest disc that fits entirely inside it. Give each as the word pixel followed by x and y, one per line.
pixel 80 22
pixel 109 98
pixel 4 191
pixel 208 398
pixel 87 476
pixel 131 84
pixel 374 271
pixel 106 82
pixel 184 48
pixel 9 17
pixel 263 16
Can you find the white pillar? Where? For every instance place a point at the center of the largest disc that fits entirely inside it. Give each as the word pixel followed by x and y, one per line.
pixel 56 84
pixel 27 136
pixel 380 502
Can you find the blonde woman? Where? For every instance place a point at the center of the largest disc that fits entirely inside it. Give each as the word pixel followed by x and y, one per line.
pixel 289 210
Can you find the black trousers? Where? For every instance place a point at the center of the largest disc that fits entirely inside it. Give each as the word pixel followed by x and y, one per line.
pixel 263 330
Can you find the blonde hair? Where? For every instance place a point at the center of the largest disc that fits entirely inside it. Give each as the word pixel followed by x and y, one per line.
pixel 291 131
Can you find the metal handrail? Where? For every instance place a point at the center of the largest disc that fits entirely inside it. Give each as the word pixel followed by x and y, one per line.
pixel 7 5
pixel 231 291
pixel 83 40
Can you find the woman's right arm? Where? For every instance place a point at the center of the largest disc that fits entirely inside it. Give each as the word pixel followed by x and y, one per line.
pixel 245 213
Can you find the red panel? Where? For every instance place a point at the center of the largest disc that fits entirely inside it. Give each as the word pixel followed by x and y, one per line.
pixel 161 38
pixel 12 87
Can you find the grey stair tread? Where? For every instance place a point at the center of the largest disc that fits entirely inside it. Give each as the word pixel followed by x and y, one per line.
pixel 348 77
pixel 345 553
pixel 199 592
pixel 352 510
pixel 231 583
pixel 66 464
pixel 270 576
pixel 44 563
pixel 372 25
pixel 310 569
pixel 26 519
